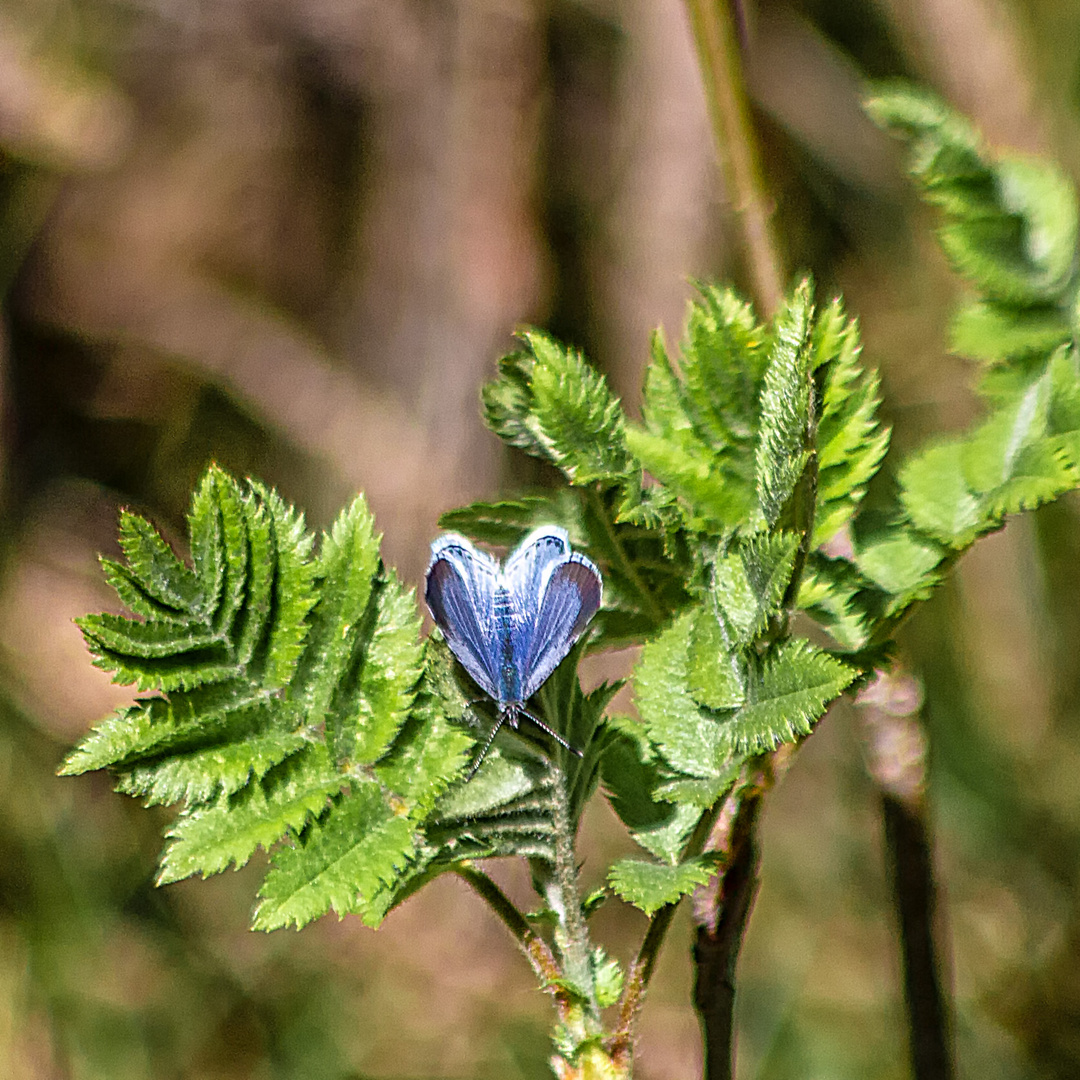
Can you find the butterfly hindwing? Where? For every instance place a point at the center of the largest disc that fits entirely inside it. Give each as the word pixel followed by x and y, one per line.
pixel 571 597
pixel 525 577
pixel 460 592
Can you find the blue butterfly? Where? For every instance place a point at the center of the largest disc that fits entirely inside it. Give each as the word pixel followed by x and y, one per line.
pixel 510 624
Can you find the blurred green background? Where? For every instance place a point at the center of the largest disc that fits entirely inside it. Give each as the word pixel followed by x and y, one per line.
pixel 292 236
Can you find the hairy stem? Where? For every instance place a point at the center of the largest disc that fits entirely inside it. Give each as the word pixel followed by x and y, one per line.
pixel 574 945
pixel 533 945
pixel 621 1044
pixel 722 908
pixel 716 38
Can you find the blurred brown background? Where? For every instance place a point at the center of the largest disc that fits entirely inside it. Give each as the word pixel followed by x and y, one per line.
pixel 292 236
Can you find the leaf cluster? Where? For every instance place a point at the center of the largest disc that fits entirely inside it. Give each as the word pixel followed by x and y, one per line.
pixel 288 714
pixel 295 708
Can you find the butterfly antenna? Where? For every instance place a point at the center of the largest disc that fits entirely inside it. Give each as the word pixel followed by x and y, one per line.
pixel 554 734
pixel 486 747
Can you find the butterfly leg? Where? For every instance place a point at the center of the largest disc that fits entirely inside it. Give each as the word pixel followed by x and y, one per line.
pixel 486 747
pixel 543 727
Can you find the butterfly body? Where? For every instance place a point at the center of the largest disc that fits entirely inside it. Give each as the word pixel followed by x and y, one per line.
pixel 511 624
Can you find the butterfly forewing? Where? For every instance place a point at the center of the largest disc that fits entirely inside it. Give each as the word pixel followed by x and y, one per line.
pixel 570 599
pixel 460 592
pixel 529 566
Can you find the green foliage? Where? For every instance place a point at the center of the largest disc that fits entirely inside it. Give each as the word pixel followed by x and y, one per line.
pixel 1011 223
pixel 787 419
pixel 295 708
pixel 650 886
pixel 552 404
pixel 1010 228
pixel 701 422
pixel 287 711
pixel 850 441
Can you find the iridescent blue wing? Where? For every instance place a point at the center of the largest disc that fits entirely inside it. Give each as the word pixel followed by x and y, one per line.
pixel 525 577
pixel 556 593
pixel 529 565
pixel 460 592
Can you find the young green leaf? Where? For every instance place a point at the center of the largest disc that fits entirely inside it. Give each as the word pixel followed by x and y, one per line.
pixel 850 441
pixel 793 688
pixel 549 402
pixel 1011 223
pixel 358 848
pixel 784 434
pixel 651 886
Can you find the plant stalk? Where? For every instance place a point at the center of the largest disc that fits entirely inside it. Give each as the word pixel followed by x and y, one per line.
pixel 722 920
pixel 532 944
pixel 896 753
pixel 574 941
pixel 715 35
pixel 621 1044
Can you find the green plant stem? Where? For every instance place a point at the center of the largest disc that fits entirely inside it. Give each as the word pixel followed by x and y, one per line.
pixel 621 1044
pixel 533 945
pixel 575 945
pixel 729 112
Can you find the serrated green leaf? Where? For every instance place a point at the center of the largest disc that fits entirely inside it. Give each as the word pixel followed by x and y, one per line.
pixel 850 441
pixel 236 555
pixel 507 522
pixel 692 471
pixel 429 752
pixel 148 641
pixel 902 564
pixel 135 598
pixel 500 782
pixel 658 826
pixel 1011 224
pixel 749 583
pixel 829 592
pixel 1040 473
pixel 937 498
pixel 700 794
pixel 579 417
pixel 690 740
pixel 782 449
pixel 389 670
pixel 549 402
pixel 698 428
pixel 347 565
pixel 507 402
pixel 989 454
pixel 1043 198
pixel 650 886
pixel 723 357
pixel 358 848
pixel 794 687
pixel 294 590
pixel 990 332
pixel 198 775
pixel 715 673
pixel 206 840
pixel 607 978
pixel 154 566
